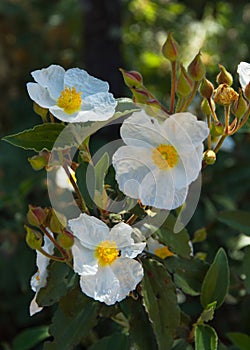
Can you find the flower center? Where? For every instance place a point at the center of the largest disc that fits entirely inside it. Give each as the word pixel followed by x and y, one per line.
pixel 165 156
pixel 163 252
pixel 69 100
pixel 106 252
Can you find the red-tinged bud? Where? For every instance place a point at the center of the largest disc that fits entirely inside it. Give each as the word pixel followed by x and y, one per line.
pixel 224 77
pixel 132 79
pixel 33 238
pixel 209 157
pixel 184 83
pixel 247 92
pixel 225 95
pixel 36 216
pixel 200 235
pixel 65 239
pixel 196 68
pixel 239 107
pixel 206 88
pixel 170 48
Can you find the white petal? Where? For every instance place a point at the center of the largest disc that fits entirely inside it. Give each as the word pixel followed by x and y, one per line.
pixel 153 244
pixel 104 286
pixel 133 250
pixel 62 179
pixel 34 307
pixel 244 74
pixel 51 78
pixel 40 95
pixel 142 130
pixel 132 164
pixel 89 230
pixel 129 273
pixel 85 262
pixel 84 82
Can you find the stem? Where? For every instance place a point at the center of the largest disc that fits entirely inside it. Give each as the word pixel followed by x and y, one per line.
pixel 227 116
pixel 132 219
pixel 53 257
pixel 173 86
pixel 209 141
pixel 82 205
pixel 191 97
pixel 212 109
pixel 51 117
pixel 245 119
pixel 53 240
pixel 219 143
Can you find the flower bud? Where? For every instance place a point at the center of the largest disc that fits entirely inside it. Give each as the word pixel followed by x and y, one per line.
pixel 224 77
pixel 247 92
pixel 200 235
pixel 225 95
pixel 57 221
pixel 39 161
pixel 33 238
pixel 206 88
pixel 217 129
pixel 131 78
pixel 65 239
pixel 196 68
pixel 205 106
pixel 36 216
pixel 170 48
pixel 239 107
pixel 209 157
pixel 184 83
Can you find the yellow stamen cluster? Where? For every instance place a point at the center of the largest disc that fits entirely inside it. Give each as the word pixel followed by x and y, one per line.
pixel 165 156
pixel 69 100
pixel 106 252
pixel 163 252
pixel 225 95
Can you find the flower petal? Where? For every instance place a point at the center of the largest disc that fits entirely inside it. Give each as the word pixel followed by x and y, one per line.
pixel 84 82
pixel 89 230
pixel 132 164
pixel 34 307
pixel 141 130
pixel 40 95
pixel 51 78
pixel 85 262
pixel 244 74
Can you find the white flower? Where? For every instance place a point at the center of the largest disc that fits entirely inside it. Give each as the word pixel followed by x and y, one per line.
pixel 158 249
pixel 104 258
pixel 62 180
pixel 244 74
pixel 161 159
pixel 39 279
pixel 72 95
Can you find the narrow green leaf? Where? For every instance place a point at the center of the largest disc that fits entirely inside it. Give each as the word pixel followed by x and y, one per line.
pixel 112 342
pixel 42 136
pixel 205 338
pixel 85 179
pixel 160 301
pixel 216 281
pixel 245 268
pixel 31 337
pixel 74 318
pixel 60 279
pixel 188 273
pixel 178 242
pixel 101 169
pixel 241 340
pixel 237 219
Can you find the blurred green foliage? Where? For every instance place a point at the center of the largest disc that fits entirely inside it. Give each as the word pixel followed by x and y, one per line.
pixel 34 34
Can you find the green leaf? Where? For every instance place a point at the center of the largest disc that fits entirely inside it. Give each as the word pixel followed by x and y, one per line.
pixel 241 340
pixel 85 180
pixel 205 338
pixel 60 279
pixel 160 301
pixel 42 136
pixel 112 342
pixel 101 169
pixel 237 219
pixel 178 242
pixel 31 337
pixel 140 329
pixel 245 268
pixel 73 320
pixel 216 281
pixel 181 344
pixel 188 273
